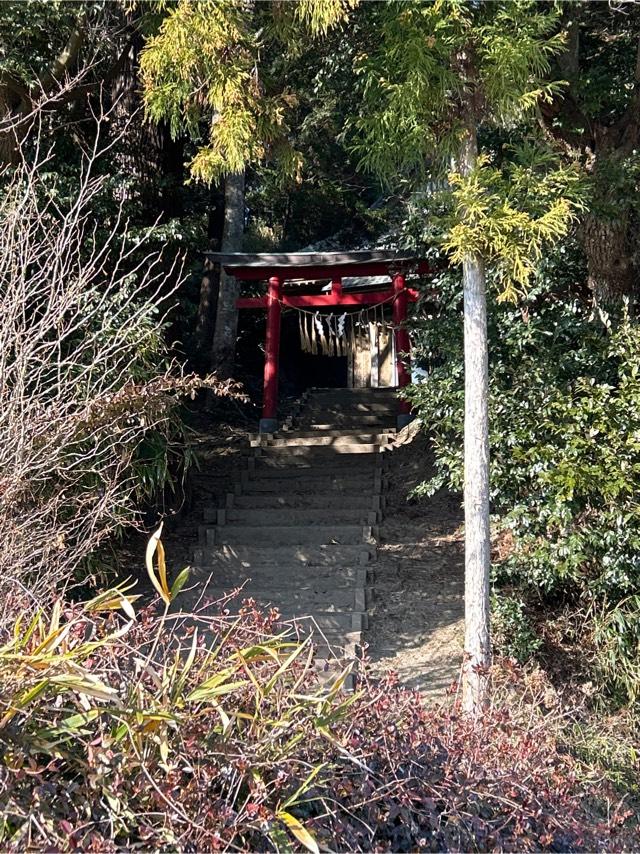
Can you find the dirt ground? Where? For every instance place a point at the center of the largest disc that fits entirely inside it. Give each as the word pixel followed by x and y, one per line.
pixel 416 618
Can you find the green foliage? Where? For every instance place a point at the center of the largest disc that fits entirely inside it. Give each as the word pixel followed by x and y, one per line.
pixel 32 35
pixel 426 54
pixel 416 87
pixel 200 65
pixel 316 17
pixel 509 213
pixel 204 66
pixel 512 632
pixel 608 748
pixel 565 454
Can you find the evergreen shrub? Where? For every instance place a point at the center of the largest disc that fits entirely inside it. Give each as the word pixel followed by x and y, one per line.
pixel 565 456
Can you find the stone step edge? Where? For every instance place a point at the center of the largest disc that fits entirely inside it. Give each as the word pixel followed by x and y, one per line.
pixel 333 490
pixel 357 621
pixel 360 581
pixel 326 432
pixel 251 456
pixel 362 596
pixel 219 517
pixel 252 471
pixel 207 533
pixel 377 505
pixel 366 553
pixel 320 442
pixel 311 450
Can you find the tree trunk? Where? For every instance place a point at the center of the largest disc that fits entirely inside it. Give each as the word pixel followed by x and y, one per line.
pixel 226 326
pixel 210 282
pixel 14 125
pixel 610 267
pixel 477 644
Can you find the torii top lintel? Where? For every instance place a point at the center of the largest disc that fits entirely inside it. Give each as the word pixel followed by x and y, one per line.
pixel 314 266
pixel 317 265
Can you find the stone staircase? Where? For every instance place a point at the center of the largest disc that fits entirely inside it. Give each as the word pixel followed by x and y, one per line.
pixel 299 528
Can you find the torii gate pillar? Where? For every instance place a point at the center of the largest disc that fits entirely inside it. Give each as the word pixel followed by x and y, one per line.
pixel 269 420
pixel 402 345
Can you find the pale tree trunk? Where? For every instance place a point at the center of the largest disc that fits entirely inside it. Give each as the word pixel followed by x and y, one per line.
pixel 477 644
pixel 225 331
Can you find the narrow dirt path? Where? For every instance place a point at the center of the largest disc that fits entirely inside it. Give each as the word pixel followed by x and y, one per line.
pixel 417 628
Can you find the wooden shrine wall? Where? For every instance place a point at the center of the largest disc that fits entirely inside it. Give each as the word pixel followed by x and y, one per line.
pixel 373 361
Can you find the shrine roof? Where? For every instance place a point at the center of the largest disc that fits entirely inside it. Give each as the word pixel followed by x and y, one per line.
pixel 316 265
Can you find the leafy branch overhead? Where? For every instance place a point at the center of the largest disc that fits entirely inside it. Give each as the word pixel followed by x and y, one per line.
pixel 509 212
pixel 497 56
pixel 202 73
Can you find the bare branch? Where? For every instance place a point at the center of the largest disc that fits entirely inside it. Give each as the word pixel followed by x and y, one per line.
pixel 84 375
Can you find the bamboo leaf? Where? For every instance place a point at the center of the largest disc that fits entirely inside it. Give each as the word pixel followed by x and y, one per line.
pixel 224 717
pixel 204 693
pixel 303 788
pixel 152 546
pixel 285 665
pixel 164 747
pixel 85 684
pixel 55 616
pixel 23 700
pixel 162 570
pixel 52 640
pixel 299 831
pixel 188 664
pixel 180 581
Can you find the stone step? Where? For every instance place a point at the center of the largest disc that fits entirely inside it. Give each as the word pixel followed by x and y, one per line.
pixel 315 458
pixel 349 422
pixel 321 451
pixel 374 392
pixel 328 432
pixel 330 624
pixel 299 468
pixel 263 556
pixel 326 598
pixel 292 516
pixel 307 439
pixel 335 648
pixel 351 389
pixel 324 626
pixel 354 407
pixel 298 576
pixel 313 483
pixel 283 535
pixel 305 500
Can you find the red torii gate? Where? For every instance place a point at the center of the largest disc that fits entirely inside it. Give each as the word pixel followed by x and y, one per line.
pixel 278 269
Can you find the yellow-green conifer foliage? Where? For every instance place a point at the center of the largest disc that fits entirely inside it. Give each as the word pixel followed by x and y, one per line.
pixel 429 59
pixel 508 213
pixel 201 73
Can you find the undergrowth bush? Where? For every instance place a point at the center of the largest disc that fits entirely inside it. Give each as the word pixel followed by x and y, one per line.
pixel 512 631
pixel 565 457
pixel 160 730
pixel 89 393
